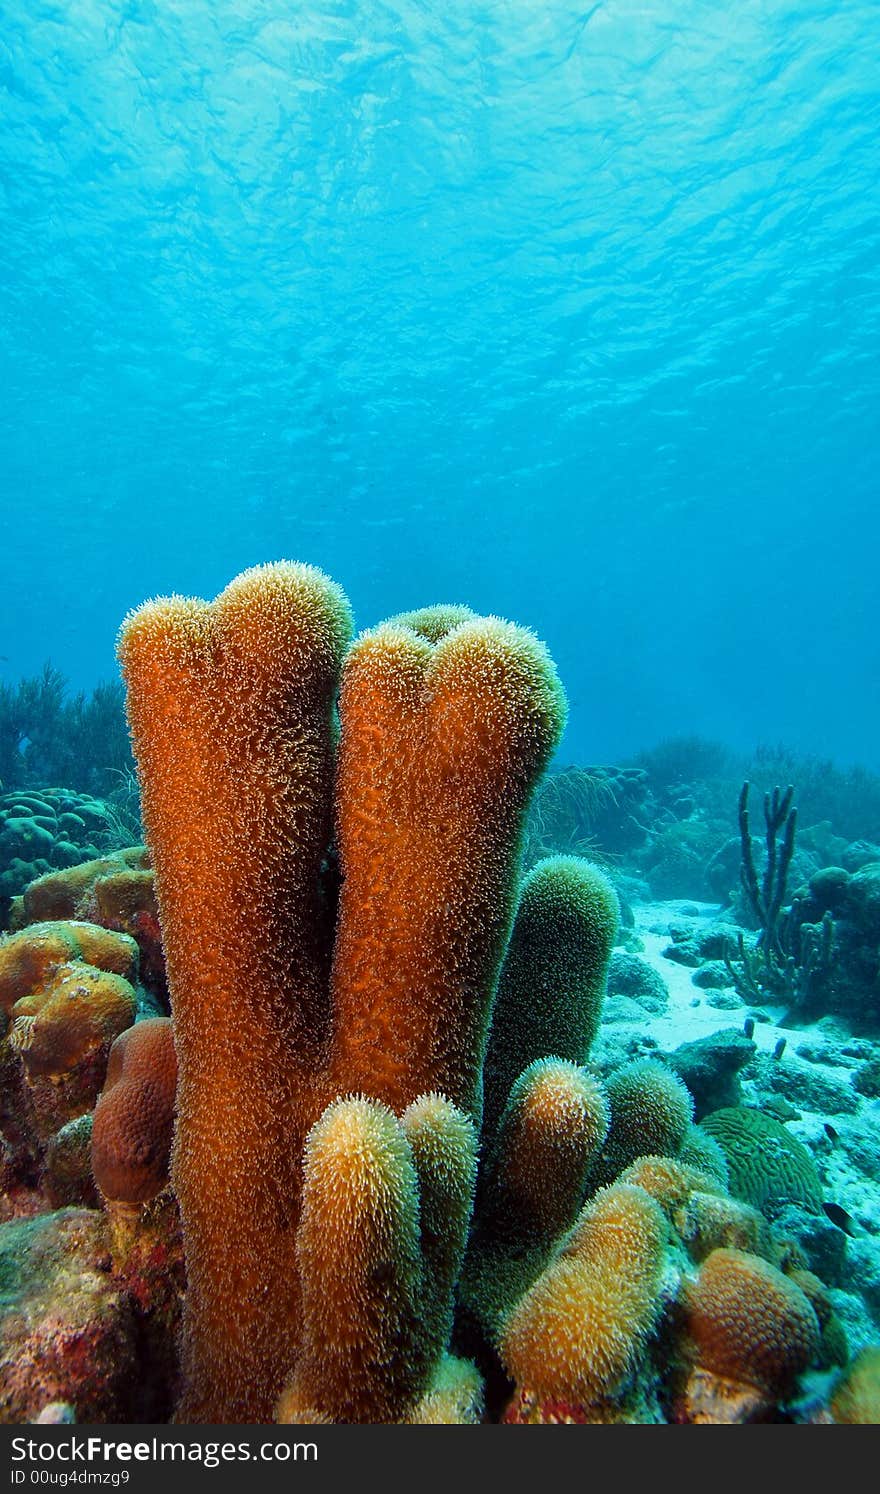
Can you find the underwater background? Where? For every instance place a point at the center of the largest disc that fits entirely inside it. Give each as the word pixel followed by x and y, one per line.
pixel 569 313
pixel 529 1066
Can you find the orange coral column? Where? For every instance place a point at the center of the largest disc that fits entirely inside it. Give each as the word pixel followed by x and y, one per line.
pixel 230 706
pixel 447 722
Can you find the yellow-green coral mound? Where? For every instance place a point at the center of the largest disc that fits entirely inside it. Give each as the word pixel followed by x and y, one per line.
pixel 579 1332
pixel 30 958
pixel 67 894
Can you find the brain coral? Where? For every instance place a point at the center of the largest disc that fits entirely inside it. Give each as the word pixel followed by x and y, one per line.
pixel 750 1323
pixel 31 957
pixel 134 1116
pixel 767 1166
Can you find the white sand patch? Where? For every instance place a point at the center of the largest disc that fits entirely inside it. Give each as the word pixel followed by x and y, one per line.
pixel 838 1157
pixel 689 1015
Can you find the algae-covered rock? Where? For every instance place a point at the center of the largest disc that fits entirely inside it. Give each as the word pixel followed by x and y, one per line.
pixel 632 977
pixel 806 1085
pixel 67 1331
pixel 710 1068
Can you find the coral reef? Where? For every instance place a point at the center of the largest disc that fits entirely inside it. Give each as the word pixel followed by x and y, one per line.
pixel 116 892
pixel 366 1002
pixel 46 829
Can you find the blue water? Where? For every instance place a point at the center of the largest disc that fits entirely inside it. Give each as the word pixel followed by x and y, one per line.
pixel 567 312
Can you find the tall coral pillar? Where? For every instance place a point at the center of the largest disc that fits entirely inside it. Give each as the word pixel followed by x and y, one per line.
pixel 230 706
pixel 447 722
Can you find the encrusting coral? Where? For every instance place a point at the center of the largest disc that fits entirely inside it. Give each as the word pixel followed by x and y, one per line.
pixel 446 722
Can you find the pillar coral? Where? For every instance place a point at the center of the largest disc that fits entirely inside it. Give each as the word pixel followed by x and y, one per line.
pixel 531 1186
pixel 552 982
pixel 447 720
pixel 579 1331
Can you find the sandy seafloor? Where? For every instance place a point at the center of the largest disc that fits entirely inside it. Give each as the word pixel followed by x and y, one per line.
pixel 814 1073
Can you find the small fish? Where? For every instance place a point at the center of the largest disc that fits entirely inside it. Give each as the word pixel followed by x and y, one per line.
pixel 780 1048
pixel 831 1133
pixel 749 1027
pixel 841 1218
